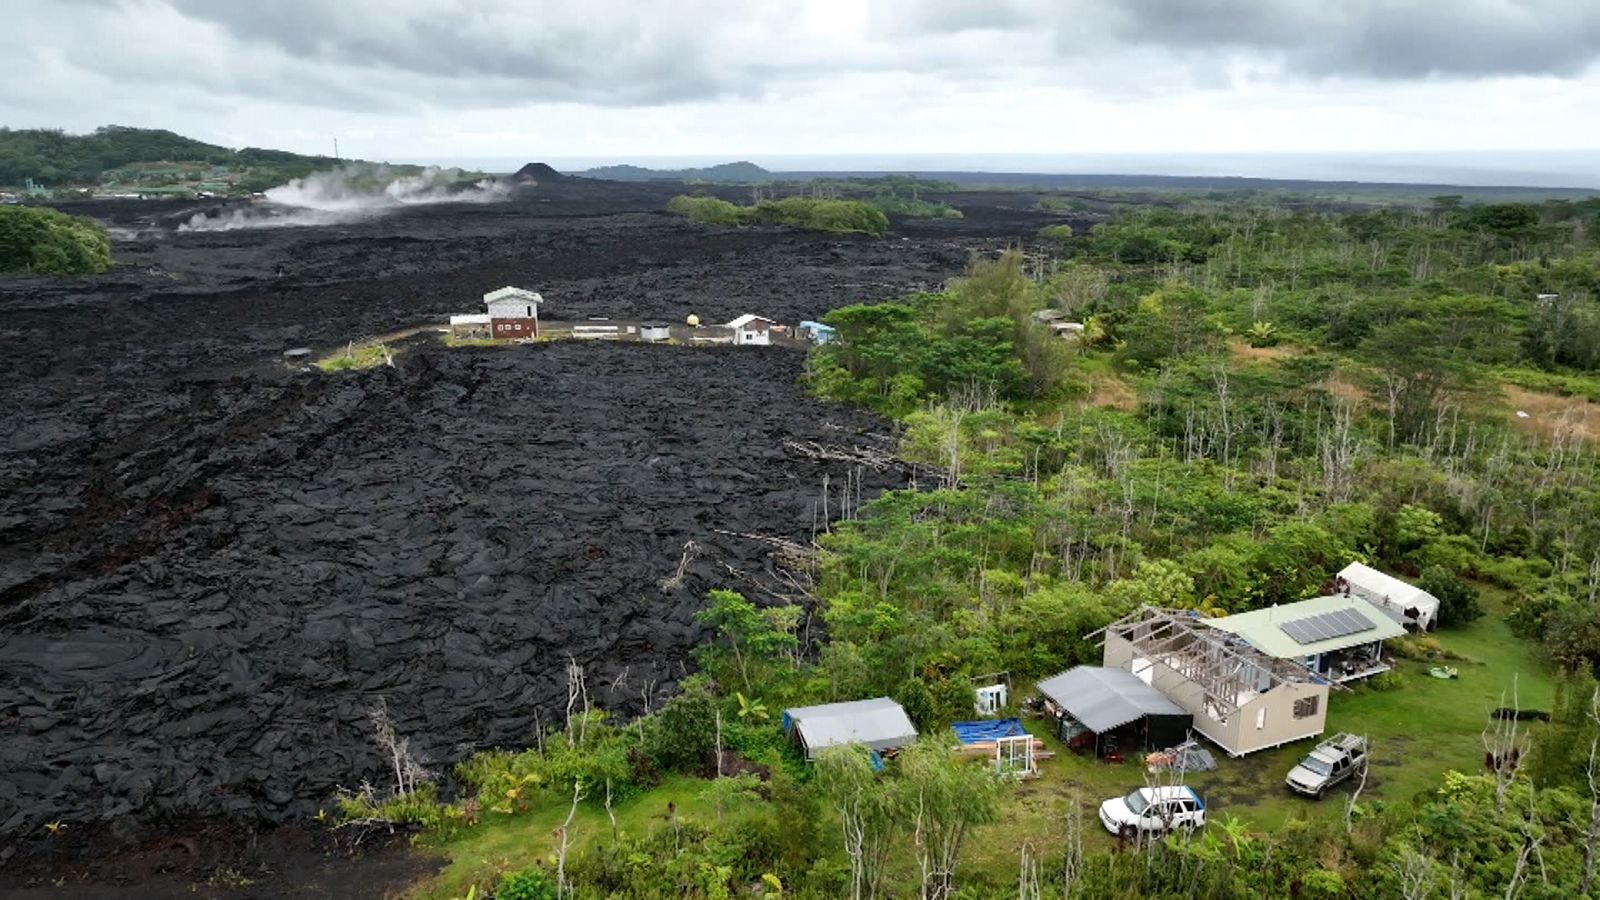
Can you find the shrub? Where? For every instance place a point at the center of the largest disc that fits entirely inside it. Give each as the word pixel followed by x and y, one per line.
pixel 532 883
pixel 1458 601
pixel 919 702
pixel 1262 334
pixel 1322 884
pixel 709 210
pixel 44 241
pixel 679 736
pixel 843 216
pixel 1386 681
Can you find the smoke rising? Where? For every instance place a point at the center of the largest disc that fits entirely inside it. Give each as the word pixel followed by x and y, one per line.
pixel 348 194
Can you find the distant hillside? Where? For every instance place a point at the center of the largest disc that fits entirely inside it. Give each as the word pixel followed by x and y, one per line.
pixel 734 173
pixel 56 159
pixel 1187 183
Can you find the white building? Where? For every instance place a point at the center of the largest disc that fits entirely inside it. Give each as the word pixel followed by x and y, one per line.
pixel 752 330
pixel 513 312
pixel 1403 602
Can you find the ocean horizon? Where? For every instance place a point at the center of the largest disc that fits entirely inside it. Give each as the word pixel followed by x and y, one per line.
pixel 1513 168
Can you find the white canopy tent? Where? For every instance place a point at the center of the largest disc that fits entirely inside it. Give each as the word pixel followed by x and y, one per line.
pixel 1403 602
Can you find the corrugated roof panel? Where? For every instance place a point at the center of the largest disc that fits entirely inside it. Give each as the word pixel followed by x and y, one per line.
pixel 1103 699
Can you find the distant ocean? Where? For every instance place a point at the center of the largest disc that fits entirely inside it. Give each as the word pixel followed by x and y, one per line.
pixel 1521 168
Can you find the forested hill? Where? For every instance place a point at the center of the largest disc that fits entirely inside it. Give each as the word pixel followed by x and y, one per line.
pixel 734 172
pixel 57 159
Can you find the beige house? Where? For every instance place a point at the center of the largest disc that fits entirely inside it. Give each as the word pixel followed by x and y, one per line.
pixel 1242 699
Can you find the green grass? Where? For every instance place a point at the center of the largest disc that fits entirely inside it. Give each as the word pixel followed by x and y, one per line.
pixel 356 356
pixel 1566 384
pixel 1418 731
pixel 502 843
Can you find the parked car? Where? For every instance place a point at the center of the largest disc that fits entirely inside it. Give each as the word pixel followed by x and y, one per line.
pixel 1333 760
pixel 1153 811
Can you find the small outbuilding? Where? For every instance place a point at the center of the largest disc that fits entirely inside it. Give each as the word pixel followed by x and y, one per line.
pixel 654 331
pixel 1405 603
pixel 879 724
pixel 818 333
pixel 513 313
pixel 752 330
pixel 1113 711
pixel 474 326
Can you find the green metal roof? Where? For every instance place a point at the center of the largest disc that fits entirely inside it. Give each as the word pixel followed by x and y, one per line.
pixel 1262 627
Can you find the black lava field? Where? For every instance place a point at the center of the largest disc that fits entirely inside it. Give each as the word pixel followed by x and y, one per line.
pixel 213 566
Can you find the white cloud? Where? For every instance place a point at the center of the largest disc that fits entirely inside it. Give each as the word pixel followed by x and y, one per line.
pixel 507 78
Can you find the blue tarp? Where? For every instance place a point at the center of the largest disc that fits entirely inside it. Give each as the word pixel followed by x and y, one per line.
pixel 990 730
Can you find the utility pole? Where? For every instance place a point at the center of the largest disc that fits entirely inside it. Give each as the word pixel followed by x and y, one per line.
pixel 335 149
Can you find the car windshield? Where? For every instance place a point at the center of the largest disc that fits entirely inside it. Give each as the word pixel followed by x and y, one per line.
pixel 1319 766
pixel 1136 802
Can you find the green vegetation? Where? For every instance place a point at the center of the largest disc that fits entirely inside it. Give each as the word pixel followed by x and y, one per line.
pixel 916 209
pixel 978 335
pixel 148 161
pixel 723 173
pixel 1259 396
pixel 358 356
pixel 900 195
pixel 844 216
pixel 35 240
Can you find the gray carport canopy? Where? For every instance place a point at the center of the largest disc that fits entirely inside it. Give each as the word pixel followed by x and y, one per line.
pixel 1103 699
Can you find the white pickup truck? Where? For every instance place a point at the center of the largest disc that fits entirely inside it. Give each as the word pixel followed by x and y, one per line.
pixel 1333 760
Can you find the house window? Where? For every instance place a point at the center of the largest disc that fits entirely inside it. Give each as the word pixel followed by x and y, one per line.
pixel 1306 707
pixel 1261 718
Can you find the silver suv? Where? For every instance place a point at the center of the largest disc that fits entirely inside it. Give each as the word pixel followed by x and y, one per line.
pixel 1334 760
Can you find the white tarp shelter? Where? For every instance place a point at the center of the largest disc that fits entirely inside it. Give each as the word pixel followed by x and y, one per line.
pixel 877 724
pixel 1403 602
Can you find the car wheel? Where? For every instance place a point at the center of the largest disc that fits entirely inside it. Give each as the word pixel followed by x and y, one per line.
pixel 1129 833
pixel 1320 792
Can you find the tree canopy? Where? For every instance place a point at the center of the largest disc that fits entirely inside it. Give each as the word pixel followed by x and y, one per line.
pixel 37 240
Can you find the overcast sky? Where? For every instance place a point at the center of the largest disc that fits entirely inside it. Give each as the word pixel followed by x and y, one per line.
pixel 722 79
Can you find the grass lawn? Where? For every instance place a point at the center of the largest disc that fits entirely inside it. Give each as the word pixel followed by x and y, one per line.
pixel 356 356
pixel 1418 731
pixel 507 843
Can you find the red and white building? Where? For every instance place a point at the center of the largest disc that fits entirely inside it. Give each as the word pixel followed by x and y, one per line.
pixel 751 329
pixel 513 313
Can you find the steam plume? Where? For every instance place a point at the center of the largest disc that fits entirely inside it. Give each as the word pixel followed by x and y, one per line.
pixel 348 194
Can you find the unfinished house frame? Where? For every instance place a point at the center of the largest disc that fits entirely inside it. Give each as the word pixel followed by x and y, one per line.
pixel 1242 699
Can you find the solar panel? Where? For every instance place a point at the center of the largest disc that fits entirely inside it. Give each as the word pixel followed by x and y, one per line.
pixel 1326 626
